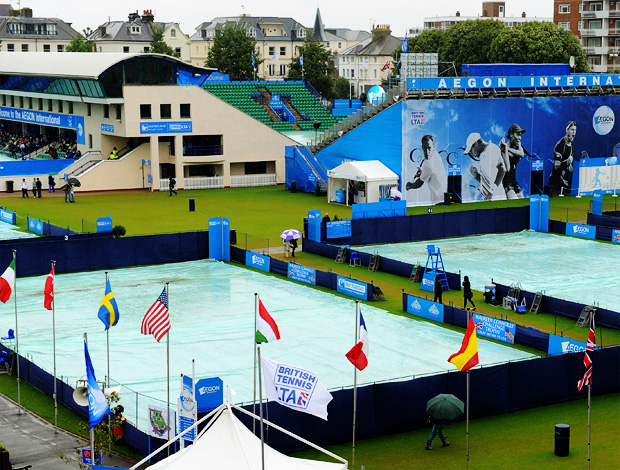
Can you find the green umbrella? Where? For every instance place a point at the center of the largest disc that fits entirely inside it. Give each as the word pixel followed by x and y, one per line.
pixel 445 406
pixel 53 173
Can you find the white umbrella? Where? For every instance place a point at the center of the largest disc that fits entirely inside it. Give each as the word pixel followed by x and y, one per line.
pixel 290 234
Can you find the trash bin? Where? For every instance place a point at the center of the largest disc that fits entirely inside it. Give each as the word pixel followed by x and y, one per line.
pixel 489 293
pixel 294 187
pixel 562 439
pixel 9 186
pixel 192 205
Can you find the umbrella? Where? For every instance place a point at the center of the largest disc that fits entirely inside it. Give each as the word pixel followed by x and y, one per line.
pixel 290 234
pixel 53 173
pixel 74 182
pixel 445 406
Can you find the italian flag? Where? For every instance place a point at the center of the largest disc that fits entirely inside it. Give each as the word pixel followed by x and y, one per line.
pixel 7 281
pixel 267 330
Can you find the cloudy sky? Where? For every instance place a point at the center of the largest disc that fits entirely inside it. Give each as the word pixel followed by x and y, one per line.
pixel 360 14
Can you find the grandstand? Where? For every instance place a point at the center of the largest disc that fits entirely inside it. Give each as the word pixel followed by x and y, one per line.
pixel 300 105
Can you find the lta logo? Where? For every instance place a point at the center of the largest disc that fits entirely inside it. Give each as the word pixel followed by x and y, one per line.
pixel 603 120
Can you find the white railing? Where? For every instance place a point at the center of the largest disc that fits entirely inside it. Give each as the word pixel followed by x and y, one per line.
pixel 242 181
pixel 195 182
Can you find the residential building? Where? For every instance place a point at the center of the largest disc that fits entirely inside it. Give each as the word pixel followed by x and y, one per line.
pixel 136 34
pixel 277 41
pixel 336 39
pixel 567 15
pixel 490 11
pixel 368 62
pixel 21 32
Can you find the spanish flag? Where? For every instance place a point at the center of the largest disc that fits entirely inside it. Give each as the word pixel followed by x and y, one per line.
pixel 467 357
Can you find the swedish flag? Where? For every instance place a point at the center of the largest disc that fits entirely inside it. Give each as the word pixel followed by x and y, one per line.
pixel 108 310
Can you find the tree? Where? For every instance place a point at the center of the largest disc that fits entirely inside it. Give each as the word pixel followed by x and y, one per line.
pixel 79 44
pixel 469 42
pixel 538 42
pixel 342 88
pixel 158 45
pixel 232 52
pixel 317 67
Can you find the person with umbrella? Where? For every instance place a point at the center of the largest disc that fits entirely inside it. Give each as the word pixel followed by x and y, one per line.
pixel 442 409
pixel 289 239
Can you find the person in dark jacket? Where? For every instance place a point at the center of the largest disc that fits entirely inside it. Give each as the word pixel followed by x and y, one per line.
pixel 467 293
pixel 437 429
pixel 293 245
pixel 438 290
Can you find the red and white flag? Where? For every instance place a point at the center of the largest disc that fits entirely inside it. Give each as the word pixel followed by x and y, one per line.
pixel 156 322
pixel 358 355
pixel 386 66
pixel 49 290
pixel 266 327
pixel 587 375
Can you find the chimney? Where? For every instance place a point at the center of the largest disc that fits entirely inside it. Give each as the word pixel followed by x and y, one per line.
pixel 133 16
pixel 147 16
pixel 458 13
pixel 380 31
pixel 26 12
pixel 523 15
pixel 102 31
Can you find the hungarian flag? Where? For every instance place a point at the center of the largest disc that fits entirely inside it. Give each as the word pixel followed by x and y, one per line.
pixel 358 355
pixel 49 290
pixel 266 328
pixel 587 362
pixel 156 322
pixel 7 281
pixel 467 357
pixel 386 66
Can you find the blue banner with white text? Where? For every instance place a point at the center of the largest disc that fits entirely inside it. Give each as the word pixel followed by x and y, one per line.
pixel 561 345
pixel 338 229
pixel 424 308
pixel 67 121
pixel 352 287
pixel 7 216
pixel 495 328
pixel 254 260
pixel 581 230
pixel 297 272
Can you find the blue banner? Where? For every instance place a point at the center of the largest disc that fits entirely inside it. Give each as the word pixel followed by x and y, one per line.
pixel 209 393
pixel 495 328
pixel 67 121
pixel 225 239
pixel 104 224
pixel 537 165
pixel 215 238
pixel 580 230
pixel 338 229
pixel 424 308
pixel 563 81
pixel 615 236
pixel 7 216
pixel 107 128
pixel 561 345
pixel 165 127
pixel 297 272
pixel 428 281
pixel 597 202
pixel 187 408
pixel 254 260
pixel 352 287
pixel 314 225
pixel 35 226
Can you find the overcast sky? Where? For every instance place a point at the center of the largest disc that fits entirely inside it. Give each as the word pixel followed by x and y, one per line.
pixel 360 14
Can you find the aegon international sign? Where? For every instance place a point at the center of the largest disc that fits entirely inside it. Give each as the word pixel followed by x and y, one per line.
pixel 563 81
pixel 67 121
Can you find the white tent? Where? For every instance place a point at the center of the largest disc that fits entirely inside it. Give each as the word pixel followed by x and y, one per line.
pixel 367 176
pixel 226 443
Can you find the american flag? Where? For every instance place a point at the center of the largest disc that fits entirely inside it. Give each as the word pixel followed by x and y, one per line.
pixel 509 334
pixel 156 322
pixel 587 375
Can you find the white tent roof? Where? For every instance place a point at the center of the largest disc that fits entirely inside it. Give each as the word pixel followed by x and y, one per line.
pixel 370 170
pixel 228 444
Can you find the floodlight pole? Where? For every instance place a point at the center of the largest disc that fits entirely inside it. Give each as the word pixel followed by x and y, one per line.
pixel 54 354
pixel 19 402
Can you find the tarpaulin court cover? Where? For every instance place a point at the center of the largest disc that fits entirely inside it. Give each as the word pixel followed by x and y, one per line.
pixel 212 321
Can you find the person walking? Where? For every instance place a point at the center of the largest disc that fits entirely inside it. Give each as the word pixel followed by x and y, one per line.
pixel 71 193
pixel 39 186
pixel 67 191
pixel 467 293
pixel 24 188
pixel 438 290
pixel 34 187
pixel 51 183
pixel 437 429
pixel 293 247
pixel 171 186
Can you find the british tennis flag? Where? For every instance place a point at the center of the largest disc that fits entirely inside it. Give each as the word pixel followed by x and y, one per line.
pixel 156 322
pixel 587 375
pixel 358 355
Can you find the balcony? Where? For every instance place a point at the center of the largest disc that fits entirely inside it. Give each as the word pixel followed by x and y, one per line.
pixel 614 31
pixel 603 32
pixel 597 50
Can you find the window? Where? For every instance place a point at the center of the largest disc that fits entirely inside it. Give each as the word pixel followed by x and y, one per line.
pixel 88 109
pixel 596 6
pixel 580 7
pixel 126 49
pixel 12 101
pixel 70 107
pixel 106 111
pixel 178 51
pixel 272 50
pixel 339 45
pixel 60 106
pixel 46 48
pixel 60 48
pixel 252 32
pixel 165 111
pixel 594 42
pixel 134 29
pixel 375 73
pixel 282 50
pixel 282 69
pixel 594 60
pixel 501 10
pixel 118 112
pixel 24 47
pixel 40 104
pixel 173 33
pixel 579 25
pixel 49 105
pixel 564 25
pixel 595 24
pixel 145 111
pixel 146 48
pixel 563 8
pixel 185 110
pixel 10 47
pixel 352 73
pixel 3 100
pixel 90 141
pixel 271 69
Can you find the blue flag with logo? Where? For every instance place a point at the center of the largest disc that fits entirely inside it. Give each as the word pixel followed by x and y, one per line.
pixel 97 406
pixel 405 44
pixel 108 310
pixel 301 60
pixel 253 62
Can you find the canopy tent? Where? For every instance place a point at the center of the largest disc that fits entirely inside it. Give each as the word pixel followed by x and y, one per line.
pixel 226 443
pixel 367 176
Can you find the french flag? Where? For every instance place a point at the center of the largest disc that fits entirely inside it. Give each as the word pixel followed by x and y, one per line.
pixel 358 355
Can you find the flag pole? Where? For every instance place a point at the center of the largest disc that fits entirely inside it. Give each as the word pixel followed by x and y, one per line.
pixel 107 335
pixel 260 408
pixel 92 430
pixel 54 347
pixel 467 412
pixel 589 390
pixel 357 315
pixel 19 401
pixel 168 368
pixel 254 347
